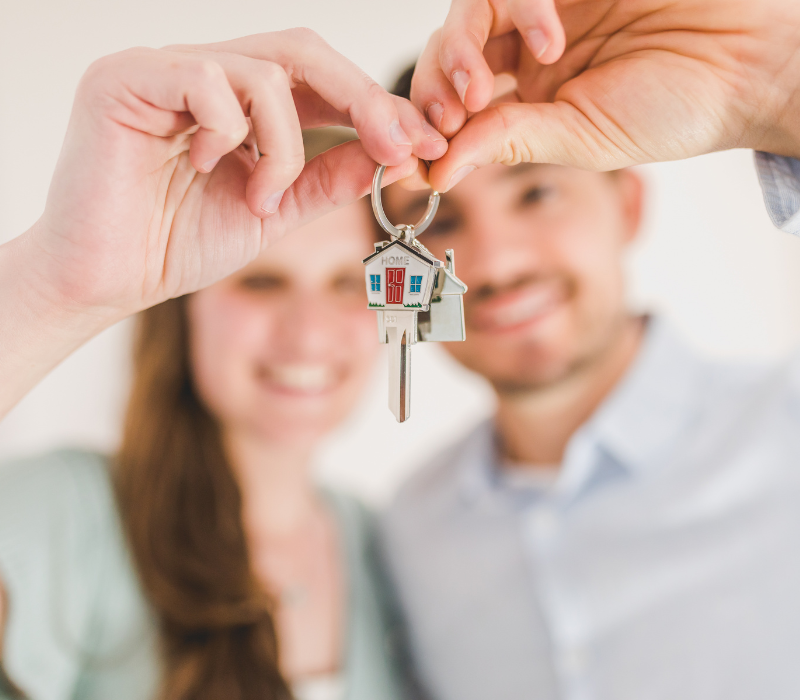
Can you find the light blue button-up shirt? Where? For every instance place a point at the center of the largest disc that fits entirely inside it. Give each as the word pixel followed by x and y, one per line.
pixel 663 564
pixel 780 182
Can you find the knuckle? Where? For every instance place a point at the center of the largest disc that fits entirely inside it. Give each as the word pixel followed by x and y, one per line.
pixel 515 149
pixel 101 67
pixel 205 71
pixel 304 35
pixel 239 132
pixel 272 73
pixel 106 69
pixel 373 90
pixel 295 162
pixel 179 48
pixel 287 166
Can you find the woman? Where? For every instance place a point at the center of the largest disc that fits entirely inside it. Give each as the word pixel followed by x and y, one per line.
pixel 205 564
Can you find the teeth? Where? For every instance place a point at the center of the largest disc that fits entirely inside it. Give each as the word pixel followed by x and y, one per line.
pixel 302 377
pixel 532 304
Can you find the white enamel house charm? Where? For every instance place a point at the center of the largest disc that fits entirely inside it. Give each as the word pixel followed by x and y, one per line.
pixel 418 297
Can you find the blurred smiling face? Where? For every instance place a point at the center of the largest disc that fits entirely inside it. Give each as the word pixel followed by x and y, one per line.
pixel 282 349
pixel 541 249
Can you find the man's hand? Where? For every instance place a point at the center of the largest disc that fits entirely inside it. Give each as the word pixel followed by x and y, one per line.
pixel 160 189
pixel 622 83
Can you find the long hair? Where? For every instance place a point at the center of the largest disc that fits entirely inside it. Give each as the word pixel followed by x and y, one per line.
pixel 181 510
pixel 182 513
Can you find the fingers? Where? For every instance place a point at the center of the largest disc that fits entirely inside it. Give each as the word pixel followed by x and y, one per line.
pixel 455 73
pixel 311 62
pixel 426 142
pixel 263 91
pixel 538 24
pixel 152 89
pixel 456 70
pixel 433 93
pixel 418 180
pixel 465 32
pixel 333 179
pixel 528 133
pixel 279 138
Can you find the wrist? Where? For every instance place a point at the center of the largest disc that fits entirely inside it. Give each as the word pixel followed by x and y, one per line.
pixel 39 326
pixel 775 126
pixel 782 137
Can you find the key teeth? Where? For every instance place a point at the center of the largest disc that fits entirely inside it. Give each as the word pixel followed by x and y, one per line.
pixel 403 408
pixel 400 373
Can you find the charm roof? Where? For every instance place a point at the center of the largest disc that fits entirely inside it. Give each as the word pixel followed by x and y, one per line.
pixel 413 250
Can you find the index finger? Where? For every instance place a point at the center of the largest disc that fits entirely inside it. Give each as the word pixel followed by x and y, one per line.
pixel 464 34
pixel 310 61
pixel 333 179
pixel 471 23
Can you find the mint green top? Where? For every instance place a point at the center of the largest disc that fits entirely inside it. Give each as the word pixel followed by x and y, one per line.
pixel 79 627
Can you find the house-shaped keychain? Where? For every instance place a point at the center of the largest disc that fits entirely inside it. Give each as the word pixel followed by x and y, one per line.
pixel 418 298
pixel 408 277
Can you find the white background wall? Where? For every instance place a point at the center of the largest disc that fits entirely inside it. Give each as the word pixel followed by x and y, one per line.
pixel 709 257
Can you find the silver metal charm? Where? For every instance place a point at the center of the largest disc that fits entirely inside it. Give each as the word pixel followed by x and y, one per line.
pixel 418 298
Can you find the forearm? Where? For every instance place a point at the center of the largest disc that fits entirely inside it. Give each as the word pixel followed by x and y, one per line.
pixel 38 327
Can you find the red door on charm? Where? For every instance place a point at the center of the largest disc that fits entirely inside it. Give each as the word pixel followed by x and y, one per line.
pixel 395 277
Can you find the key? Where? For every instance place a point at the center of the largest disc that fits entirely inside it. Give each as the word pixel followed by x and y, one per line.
pixel 400 332
pixel 404 280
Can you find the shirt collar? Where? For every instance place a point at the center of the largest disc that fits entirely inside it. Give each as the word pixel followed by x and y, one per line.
pixel 644 418
pixel 636 427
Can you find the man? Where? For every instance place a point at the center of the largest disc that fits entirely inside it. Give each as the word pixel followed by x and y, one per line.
pixel 627 525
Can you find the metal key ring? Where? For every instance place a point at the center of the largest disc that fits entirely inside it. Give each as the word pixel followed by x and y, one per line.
pixel 380 215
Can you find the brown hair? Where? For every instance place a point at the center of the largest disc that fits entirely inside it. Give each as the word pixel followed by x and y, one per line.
pixel 181 510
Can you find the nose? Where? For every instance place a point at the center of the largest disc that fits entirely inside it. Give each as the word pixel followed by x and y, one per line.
pixel 497 252
pixel 307 329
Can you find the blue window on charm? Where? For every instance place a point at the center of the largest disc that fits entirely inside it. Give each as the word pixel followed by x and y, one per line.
pixel 375 282
pixel 416 283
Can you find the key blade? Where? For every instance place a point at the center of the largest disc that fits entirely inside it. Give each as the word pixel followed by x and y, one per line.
pixel 400 340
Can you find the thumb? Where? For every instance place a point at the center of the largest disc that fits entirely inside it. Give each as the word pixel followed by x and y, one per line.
pixel 510 134
pixel 332 180
pixel 538 23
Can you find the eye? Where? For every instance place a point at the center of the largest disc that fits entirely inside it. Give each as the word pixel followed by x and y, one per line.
pixel 261 282
pixel 442 227
pixel 534 195
pixel 349 284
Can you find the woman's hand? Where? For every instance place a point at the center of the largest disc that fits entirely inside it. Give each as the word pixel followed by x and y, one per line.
pixel 140 209
pixel 160 190
pixel 609 83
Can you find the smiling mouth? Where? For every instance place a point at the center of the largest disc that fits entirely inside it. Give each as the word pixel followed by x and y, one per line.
pixel 512 309
pixel 300 379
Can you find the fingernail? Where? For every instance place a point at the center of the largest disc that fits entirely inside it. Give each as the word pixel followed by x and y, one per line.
pixel 431 133
pixel 459 175
pixel 435 113
pixel 461 83
pixel 537 42
pixel 272 202
pixel 208 167
pixel 399 136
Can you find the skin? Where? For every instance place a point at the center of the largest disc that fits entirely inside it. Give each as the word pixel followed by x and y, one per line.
pixel 142 209
pixel 280 352
pixel 541 249
pixel 602 84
